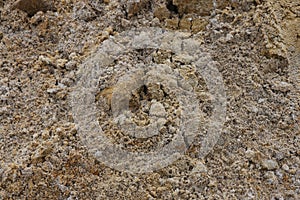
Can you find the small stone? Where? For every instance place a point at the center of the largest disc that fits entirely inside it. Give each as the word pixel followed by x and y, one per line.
pixel 61 63
pixel 271 177
pixel 135 6
pixel 229 36
pixel 213 183
pixel 199 25
pixel 172 23
pixel 249 153
pixel 279 156
pixel 157 109
pixel 253 156
pixel 46 60
pixel 198 168
pixel 125 22
pixel 281 86
pixel 261 100
pixel 172 129
pixel 202 7
pixel 73 56
pixel 155 22
pixel 269 164
pixel 27 172
pixel 285 167
pixel 83 11
pixel 185 23
pixel 279 174
pixel 33 6
pixel 71 65
pixel 53 90
pixel 161 12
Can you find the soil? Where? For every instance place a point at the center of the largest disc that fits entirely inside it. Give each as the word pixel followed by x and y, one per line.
pixel 255 46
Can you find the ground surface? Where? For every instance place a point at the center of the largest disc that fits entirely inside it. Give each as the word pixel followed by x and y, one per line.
pixel 256 48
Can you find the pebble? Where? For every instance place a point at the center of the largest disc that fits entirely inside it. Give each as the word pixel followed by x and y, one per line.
pixel 157 109
pixel 281 86
pixel 52 90
pixel 285 167
pixel 229 37
pixel 32 6
pixel 261 100
pixel 269 164
pixel 271 177
pixel 279 156
pixel 254 156
pixel 46 60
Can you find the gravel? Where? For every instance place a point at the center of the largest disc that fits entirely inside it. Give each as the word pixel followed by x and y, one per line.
pixel 45 46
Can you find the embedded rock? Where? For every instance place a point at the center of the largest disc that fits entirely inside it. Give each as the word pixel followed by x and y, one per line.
pixel 33 6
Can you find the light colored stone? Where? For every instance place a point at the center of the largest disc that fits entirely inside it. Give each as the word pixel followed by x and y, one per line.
pixel 52 90
pixel 281 86
pixel 285 167
pixel 269 164
pixel 157 109
pixel 271 177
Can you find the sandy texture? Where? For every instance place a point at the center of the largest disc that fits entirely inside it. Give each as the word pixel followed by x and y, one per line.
pixel 256 47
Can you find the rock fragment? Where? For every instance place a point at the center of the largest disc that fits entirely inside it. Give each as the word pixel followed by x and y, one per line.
pixel 157 109
pixel 185 23
pixel 33 6
pixel 172 23
pixel 84 11
pixel 253 156
pixel 202 7
pixel 281 86
pixel 269 164
pixel 285 167
pixel 270 177
pixel 135 6
pixel 194 6
pixel 162 12
pixel 199 24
